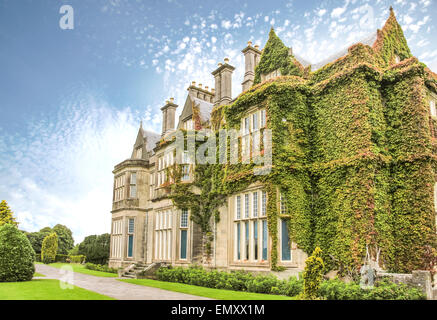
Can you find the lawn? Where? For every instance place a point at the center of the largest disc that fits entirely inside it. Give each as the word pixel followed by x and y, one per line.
pixel 205 292
pixel 81 269
pixel 45 289
pixel 36 274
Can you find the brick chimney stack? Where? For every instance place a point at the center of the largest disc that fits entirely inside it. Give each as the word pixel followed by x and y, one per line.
pixel 223 83
pixel 251 59
pixel 168 116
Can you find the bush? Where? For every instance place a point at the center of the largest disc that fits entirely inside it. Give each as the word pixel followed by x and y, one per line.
pixel 313 274
pixel 16 255
pixel 77 259
pixel 383 290
pixel 99 267
pixel 234 280
pixel 61 257
pixel 49 248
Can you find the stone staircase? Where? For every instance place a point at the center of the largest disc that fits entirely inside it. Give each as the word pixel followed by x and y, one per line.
pixel 140 270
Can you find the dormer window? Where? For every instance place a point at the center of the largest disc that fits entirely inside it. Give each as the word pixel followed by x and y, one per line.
pixel 189 125
pixel 432 108
pixel 397 59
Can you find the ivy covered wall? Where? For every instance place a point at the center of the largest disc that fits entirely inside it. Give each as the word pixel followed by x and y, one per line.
pixel 352 151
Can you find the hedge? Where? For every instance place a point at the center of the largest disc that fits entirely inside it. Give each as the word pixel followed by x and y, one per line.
pixel 269 284
pixel 99 267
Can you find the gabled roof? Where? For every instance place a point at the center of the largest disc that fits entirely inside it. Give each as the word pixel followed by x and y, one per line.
pixel 204 108
pixel 152 139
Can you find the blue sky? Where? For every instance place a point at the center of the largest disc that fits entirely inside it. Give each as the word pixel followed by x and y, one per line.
pixel 71 100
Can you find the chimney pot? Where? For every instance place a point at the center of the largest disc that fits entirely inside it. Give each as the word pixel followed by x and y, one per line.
pixel 212 90
pixel 249 43
pixel 200 85
pixel 257 47
pixel 171 100
pixel 220 64
pixel 226 60
pixel 193 83
pixel 206 88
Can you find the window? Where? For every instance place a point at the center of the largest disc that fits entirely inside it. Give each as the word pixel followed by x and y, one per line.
pixel 246 205
pixel 263 118
pixel 238 207
pixel 130 231
pixel 264 240
pixel 255 240
pixel 238 242
pixel 163 235
pixel 184 233
pixel 264 204
pixel 282 203
pixel 119 188
pixel 116 238
pixel 246 125
pixel 246 244
pixel 185 167
pixel 285 242
pixel 184 218
pixel 397 59
pixel 255 123
pixel 250 234
pixel 133 185
pixel 189 125
pixel 432 108
pixel 255 204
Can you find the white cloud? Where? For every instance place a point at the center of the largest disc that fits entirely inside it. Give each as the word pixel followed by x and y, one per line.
pixel 65 175
pixel 226 24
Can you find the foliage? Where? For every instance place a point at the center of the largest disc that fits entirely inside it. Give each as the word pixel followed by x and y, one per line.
pixel 354 153
pixel 235 280
pixel 74 251
pixel 96 248
pixel 6 215
pixel 65 238
pixel 99 267
pixel 16 255
pixel 384 290
pixel 276 56
pixel 49 248
pixel 77 258
pixel 313 274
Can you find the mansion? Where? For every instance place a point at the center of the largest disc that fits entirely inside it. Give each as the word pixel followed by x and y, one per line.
pixel 353 172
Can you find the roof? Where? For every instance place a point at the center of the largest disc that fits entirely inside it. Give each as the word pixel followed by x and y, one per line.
pixel 152 139
pixel 205 109
pixel 369 40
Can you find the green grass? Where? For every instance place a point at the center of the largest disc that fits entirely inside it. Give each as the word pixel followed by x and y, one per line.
pixel 81 269
pixel 36 274
pixel 45 289
pixel 219 294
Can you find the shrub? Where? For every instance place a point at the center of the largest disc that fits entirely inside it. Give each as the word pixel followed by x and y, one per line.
pixel 99 267
pixel 313 274
pixel 383 290
pixel 234 280
pixel 49 248
pixel 16 255
pixel 61 257
pixel 77 259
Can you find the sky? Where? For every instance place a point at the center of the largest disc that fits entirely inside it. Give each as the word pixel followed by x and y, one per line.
pixel 71 100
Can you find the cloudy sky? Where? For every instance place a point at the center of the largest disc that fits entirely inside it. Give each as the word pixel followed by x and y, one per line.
pixel 71 100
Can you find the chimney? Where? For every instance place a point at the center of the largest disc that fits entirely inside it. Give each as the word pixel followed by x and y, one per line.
pixel 223 83
pixel 251 59
pixel 168 116
pixel 199 92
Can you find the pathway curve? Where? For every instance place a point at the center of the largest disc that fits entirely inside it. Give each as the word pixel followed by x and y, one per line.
pixel 113 288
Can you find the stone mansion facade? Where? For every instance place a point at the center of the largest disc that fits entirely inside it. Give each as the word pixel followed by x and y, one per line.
pixel 147 227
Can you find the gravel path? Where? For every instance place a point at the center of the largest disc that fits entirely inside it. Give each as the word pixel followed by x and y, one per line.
pixel 112 287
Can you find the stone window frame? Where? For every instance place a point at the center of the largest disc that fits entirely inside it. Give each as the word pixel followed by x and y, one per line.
pixel 250 133
pixel 163 235
pixel 119 187
pixel 240 222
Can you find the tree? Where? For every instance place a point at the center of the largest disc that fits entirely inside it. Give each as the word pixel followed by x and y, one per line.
pixel 16 255
pixel 36 238
pixel 49 248
pixel 96 248
pixel 6 215
pixel 313 274
pixel 65 238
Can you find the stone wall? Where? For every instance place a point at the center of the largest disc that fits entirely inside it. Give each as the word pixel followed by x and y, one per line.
pixel 418 279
